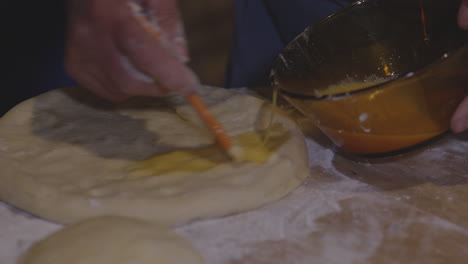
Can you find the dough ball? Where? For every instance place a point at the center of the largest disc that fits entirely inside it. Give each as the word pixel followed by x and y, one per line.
pixel 112 240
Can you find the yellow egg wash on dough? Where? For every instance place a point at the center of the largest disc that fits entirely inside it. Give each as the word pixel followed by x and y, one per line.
pixel 201 159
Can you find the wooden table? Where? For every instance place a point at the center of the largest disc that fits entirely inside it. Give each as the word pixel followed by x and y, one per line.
pixel 409 208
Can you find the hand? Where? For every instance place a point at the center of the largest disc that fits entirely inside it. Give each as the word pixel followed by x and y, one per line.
pixel 459 120
pixel 463 15
pixel 110 53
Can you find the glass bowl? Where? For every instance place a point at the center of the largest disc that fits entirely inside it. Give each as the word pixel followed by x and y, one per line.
pixel 378 75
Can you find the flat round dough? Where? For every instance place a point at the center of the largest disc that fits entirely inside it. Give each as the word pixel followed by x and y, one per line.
pixel 112 239
pixel 67 155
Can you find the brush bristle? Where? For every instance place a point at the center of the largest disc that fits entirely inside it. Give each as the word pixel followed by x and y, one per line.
pixel 236 153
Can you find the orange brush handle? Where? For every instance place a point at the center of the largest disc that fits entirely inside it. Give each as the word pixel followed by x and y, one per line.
pixel 147 26
pixel 222 139
pixel 216 128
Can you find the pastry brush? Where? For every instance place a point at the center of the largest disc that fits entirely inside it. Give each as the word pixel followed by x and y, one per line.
pixel 223 140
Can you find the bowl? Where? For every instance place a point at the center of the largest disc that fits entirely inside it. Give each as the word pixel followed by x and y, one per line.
pixel 378 76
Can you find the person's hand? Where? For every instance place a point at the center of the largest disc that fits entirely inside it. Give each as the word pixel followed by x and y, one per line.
pixel 111 54
pixel 463 15
pixel 459 120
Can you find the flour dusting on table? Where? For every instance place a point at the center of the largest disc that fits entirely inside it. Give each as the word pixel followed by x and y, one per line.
pixel 332 218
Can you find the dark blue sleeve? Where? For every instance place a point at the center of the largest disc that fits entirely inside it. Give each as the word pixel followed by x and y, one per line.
pixel 33 60
pixel 263 28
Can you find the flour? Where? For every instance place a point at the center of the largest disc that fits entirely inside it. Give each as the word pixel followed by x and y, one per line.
pixel 288 222
pixel 288 219
pixel 319 156
pixel 18 231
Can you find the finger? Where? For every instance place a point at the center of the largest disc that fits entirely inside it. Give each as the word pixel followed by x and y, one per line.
pixel 95 84
pixel 93 81
pixel 124 77
pixel 95 62
pixel 463 14
pixel 151 57
pixel 86 64
pixel 166 15
pixel 459 120
pixel 135 82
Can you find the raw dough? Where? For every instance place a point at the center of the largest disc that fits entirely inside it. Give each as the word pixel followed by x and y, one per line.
pixel 67 155
pixel 112 239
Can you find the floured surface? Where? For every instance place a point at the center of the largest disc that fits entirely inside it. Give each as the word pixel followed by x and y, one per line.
pixel 408 209
pixel 338 217
pixel 18 231
pixel 67 155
